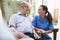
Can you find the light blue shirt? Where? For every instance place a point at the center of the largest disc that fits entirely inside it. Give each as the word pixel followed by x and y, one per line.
pixel 45 25
pixel 21 23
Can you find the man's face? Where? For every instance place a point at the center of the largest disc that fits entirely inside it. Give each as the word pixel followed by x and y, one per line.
pixel 24 9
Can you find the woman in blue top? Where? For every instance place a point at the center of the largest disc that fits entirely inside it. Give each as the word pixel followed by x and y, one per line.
pixel 43 22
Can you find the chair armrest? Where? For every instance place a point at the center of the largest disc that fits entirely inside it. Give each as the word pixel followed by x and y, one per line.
pixel 55 30
pixel 55 34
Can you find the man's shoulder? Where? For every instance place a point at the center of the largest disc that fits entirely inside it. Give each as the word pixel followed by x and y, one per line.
pixel 16 14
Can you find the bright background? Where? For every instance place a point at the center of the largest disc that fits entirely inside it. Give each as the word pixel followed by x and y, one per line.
pixel 9 7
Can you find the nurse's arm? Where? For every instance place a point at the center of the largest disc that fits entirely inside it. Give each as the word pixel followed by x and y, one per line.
pixel 47 32
pixel 51 28
pixel 42 31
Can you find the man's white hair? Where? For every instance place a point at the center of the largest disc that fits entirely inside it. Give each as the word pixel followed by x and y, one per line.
pixel 25 3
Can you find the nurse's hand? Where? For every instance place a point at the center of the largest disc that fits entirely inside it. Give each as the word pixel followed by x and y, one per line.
pixel 39 31
pixel 42 31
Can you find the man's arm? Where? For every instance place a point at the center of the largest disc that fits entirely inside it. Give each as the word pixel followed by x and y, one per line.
pixel 18 34
pixel 12 21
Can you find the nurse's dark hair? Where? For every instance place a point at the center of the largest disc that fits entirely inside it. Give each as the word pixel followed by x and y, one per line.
pixel 49 16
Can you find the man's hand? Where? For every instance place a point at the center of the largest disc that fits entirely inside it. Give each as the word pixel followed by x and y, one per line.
pixel 36 35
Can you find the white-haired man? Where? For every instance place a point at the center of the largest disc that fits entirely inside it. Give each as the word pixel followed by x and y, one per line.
pixel 21 22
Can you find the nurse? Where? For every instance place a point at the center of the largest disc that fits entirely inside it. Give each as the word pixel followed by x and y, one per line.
pixel 43 22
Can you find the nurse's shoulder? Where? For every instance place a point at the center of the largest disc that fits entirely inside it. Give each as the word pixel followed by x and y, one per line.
pixel 36 17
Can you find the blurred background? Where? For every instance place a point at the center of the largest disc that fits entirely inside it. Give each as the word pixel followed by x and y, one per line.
pixel 9 7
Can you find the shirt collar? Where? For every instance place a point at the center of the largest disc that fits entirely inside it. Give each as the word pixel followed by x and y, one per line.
pixel 22 14
pixel 44 19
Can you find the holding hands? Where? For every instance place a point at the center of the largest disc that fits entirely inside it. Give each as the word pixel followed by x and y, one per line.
pixel 40 31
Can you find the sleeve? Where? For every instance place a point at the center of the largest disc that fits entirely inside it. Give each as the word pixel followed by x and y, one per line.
pixel 34 21
pixel 12 21
pixel 51 26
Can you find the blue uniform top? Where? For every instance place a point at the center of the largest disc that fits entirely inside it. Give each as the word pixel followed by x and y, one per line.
pixel 45 25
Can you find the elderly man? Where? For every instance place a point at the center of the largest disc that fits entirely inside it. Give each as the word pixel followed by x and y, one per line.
pixel 21 22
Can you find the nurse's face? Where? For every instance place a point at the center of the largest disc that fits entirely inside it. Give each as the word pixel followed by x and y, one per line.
pixel 41 11
pixel 24 9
